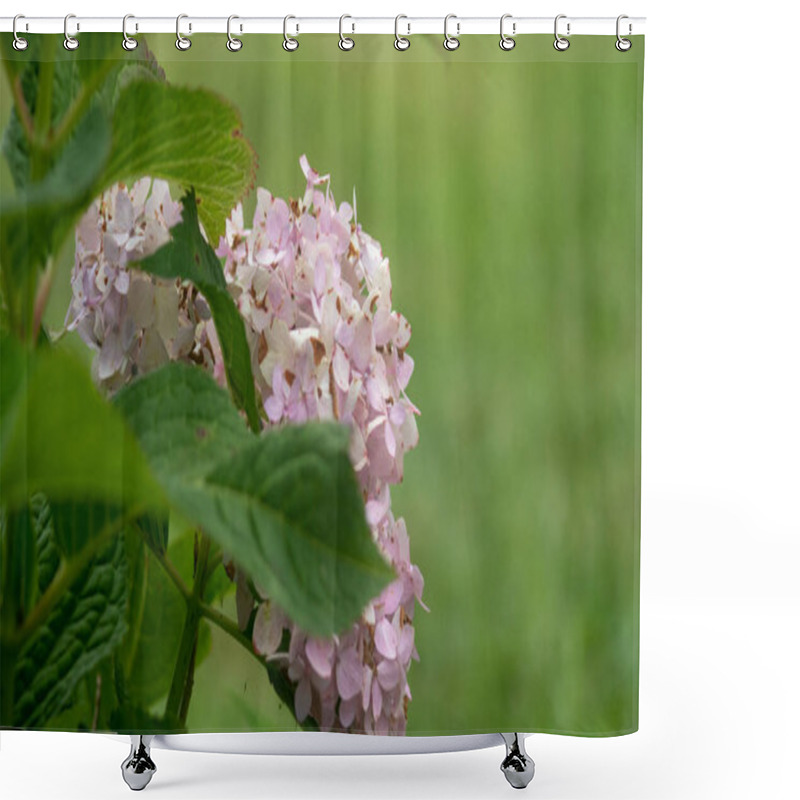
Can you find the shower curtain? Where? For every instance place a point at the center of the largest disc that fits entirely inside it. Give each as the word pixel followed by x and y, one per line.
pixel 320 385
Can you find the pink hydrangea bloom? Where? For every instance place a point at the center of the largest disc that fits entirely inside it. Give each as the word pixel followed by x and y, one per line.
pixel 134 321
pixel 315 292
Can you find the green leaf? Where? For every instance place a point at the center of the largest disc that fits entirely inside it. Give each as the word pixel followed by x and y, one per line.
pixel 191 136
pixel 60 437
pixel 48 555
pixel 189 256
pixel 35 220
pixel 19 565
pixel 76 524
pixel 285 504
pixel 92 75
pixel 84 628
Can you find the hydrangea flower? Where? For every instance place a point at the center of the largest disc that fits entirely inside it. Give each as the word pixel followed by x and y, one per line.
pixel 315 292
pixel 134 321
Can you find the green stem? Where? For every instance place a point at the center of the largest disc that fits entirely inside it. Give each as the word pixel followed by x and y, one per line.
pixel 213 615
pixel 180 693
pixel 8 660
pixel 42 115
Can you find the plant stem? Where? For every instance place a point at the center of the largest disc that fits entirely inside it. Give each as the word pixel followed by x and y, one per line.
pixel 180 692
pixel 8 660
pixel 42 115
pixel 213 615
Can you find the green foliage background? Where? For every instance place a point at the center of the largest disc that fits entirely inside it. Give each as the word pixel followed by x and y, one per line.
pixel 505 189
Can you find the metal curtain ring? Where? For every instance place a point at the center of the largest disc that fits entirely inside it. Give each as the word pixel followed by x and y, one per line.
pixel 506 42
pixel 234 44
pixel 127 42
pixel 401 42
pixel 451 42
pixel 70 42
pixel 19 43
pixel 290 44
pixel 181 42
pixel 623 45
pixel 560 44
pixel 345 42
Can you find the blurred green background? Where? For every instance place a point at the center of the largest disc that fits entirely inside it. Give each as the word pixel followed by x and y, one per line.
pixel 505 190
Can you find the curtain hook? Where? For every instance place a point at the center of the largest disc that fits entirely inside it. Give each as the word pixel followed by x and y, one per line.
pixel 560 44
pixel 128 43
pixel 401 42
pixel 451 42
pixel 70 42
pixel 19 43
pixel 234 44
pixel 181 42
pixel 345 42
pixel 290 44
pixel 622 44
pixel 506 42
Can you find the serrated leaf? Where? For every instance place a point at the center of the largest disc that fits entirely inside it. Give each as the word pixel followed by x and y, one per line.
pixel 19 564
pixel 95 70
pixel 48 556
pixel 84 627
pixel 285 504
pixel 36 219
pixel 60 437
pixel 191 136
pixel 189 256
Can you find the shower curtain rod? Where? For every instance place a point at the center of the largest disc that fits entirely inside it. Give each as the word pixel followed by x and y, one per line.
pixel 406 26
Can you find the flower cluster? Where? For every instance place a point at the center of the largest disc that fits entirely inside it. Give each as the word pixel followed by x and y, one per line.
pixel 134 321
pixel 315 292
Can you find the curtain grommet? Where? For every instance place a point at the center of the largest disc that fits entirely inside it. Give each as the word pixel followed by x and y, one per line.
pixel 290 43
pixel 233 44
pixel 451 43
pixel 70 42
pixel 346 43
pixel 20 43
pixel 561 44
pixel 622 44
pixel 507 42
pixel 128 42
pixel 181 42
pixel 401 43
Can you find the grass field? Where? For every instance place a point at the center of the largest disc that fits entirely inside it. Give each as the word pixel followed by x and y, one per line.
pixel 505 189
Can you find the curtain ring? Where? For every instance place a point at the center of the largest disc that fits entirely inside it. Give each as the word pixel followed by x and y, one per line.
pixel 234 44
pixel 506 42
pixel 181 42
pixel 19 43
pixel 560 44
pixel 345 42
pixel 622 44
pixel 451 42
pixel 128 43
pixel 70 42
pixel 290 44
pixel 400 42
